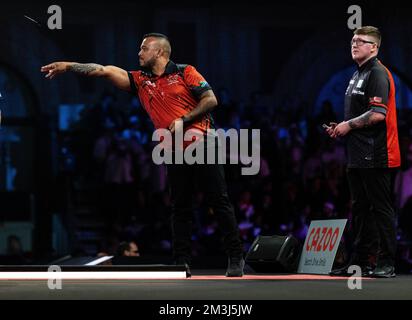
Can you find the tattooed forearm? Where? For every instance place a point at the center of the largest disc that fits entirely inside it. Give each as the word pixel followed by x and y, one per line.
pixel 365 120
pixel 85 68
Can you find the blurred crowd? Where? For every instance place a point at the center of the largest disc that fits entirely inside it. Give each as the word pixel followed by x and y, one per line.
pixel 301 178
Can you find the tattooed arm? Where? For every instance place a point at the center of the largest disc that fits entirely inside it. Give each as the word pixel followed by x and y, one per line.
pixel 115 75
pixel 367 119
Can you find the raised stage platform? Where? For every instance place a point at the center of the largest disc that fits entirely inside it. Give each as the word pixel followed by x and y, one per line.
pixel 211 285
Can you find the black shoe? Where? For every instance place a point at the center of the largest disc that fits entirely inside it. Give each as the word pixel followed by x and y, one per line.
pixel 385 271
pixel 366 271
pixel 184 262
pixel 235 267
pixel 341 272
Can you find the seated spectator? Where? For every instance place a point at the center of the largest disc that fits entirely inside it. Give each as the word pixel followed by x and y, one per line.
pixel 128 249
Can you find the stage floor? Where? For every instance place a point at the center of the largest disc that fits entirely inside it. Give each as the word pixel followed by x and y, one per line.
pixel 212 285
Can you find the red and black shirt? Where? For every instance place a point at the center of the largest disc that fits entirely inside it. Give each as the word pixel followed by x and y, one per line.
pixel 372 88
pixel 171 95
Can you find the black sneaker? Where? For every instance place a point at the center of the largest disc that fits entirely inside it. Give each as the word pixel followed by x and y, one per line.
pixel 344 272
pixel 184 262
pixel 385 271
pixel 367 271
pixel 341 272
pixel 235 267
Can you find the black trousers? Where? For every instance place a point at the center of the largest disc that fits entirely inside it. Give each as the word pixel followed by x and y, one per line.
pixel 373 214
pixel 210 178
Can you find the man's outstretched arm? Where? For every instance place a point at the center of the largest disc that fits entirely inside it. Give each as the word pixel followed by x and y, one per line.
pixel 117 76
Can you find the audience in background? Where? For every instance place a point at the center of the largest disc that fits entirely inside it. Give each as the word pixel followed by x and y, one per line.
pixel 302 174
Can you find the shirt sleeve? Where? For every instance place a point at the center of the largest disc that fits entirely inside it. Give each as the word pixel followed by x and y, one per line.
pixel 195 81
pixel 134 81
pixel 378 90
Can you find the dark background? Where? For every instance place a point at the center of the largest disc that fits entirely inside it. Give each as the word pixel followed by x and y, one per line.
pixel 272 66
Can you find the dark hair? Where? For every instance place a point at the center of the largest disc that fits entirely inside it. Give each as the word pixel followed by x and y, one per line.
pixel 155 35
pixel 123 246
pixel 166 43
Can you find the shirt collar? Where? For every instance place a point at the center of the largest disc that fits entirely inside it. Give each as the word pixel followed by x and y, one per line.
pixel 170 68
pixel 368 63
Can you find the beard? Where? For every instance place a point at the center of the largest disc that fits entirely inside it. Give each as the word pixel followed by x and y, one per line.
pixel 149 63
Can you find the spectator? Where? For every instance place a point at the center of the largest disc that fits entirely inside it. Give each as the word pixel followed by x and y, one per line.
pixel 128 249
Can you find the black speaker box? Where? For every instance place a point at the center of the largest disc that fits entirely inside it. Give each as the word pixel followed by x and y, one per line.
pixel 274 254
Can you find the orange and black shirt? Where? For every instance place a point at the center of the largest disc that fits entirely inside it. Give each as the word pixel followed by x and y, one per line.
pixel 171 95
pixel 372 88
